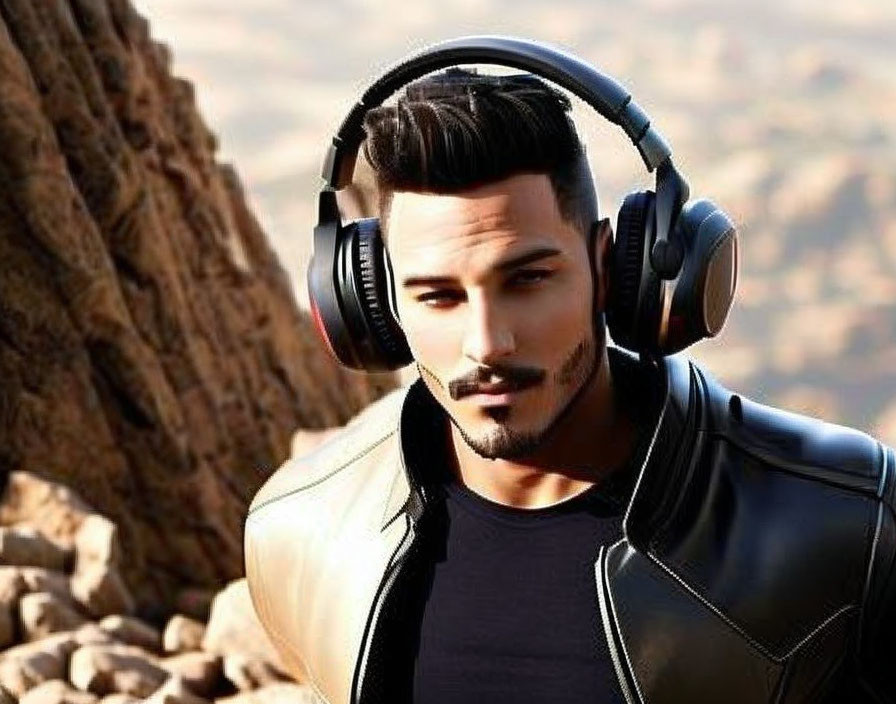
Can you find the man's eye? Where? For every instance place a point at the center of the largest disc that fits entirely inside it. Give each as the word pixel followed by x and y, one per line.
pixel 526 277
pixel 439 299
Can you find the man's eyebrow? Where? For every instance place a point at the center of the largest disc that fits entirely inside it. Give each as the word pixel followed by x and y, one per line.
pixel 512 263
pixel 527 258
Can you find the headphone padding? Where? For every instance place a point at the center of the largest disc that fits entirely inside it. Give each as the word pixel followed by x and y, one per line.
pixel 628 262
pixel 374 292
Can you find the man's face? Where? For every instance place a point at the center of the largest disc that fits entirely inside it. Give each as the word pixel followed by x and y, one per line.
pixel 494 292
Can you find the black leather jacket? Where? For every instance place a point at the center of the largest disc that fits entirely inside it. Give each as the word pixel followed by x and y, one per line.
pixel 758 557
pixel 757 563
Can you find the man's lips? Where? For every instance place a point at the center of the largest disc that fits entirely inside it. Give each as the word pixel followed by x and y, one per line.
pixel 497 393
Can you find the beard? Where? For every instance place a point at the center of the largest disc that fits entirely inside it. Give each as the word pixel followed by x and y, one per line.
pixel 505 442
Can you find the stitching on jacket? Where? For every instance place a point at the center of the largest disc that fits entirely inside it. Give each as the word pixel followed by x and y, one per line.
pixel 622 647
pixel 884 471
pixel 734 626
pixel 317 481
pixel 800 469
pixel 869 573
pixel 820 627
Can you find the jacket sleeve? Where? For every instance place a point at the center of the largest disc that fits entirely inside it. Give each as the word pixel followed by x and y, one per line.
pixel 259 586
pixel 875 666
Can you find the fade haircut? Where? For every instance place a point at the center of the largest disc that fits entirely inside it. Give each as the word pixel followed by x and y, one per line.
pixel 459 129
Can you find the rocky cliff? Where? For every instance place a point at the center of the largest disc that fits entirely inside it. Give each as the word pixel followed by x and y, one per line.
pixel 151 353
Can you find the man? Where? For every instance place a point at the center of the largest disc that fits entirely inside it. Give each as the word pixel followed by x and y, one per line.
pixel 542 517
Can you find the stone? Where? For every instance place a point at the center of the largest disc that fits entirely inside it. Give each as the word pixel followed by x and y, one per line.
pixel 233 627
pixel 12 586
pixel 101 590
pixel 107 669
pixel 23 545
pixel 132 631
pixel 7 628
pixel 91 634
pixel 182 634
pixel 50 507
pixel 280 693
pixel 201 672
pixel 25 666
pixel 248 673
pixel 97 541
pixel 56 692
pixel 174 691
pixel 38 579
pixel 42 613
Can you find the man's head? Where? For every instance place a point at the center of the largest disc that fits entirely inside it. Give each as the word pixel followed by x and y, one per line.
pixel 490 215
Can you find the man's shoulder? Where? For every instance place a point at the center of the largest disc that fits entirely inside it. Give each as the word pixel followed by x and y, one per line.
pixel 362 442
pixel 812 448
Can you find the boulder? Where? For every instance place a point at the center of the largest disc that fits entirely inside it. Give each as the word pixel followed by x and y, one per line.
pixel 52 508
pixel 110 669
pixel 101 590
pixel 182 634
pixel 234 628
pixel 42 613
pixel 200 671
pixel 23 545
pixel 248 673
pixel 97 541
pixel 56 692
pixel 12 586
pixel 280 693
pixel 174 691
pixel 23 667
pixel 38 579
pixel 132 631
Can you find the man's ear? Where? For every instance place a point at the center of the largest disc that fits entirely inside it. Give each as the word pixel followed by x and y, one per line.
pixel 601 253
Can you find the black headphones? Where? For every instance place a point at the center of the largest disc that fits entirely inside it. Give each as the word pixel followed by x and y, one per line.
pixel 675 262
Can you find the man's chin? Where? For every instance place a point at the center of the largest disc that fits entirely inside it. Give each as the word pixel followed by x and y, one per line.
pixel 501 442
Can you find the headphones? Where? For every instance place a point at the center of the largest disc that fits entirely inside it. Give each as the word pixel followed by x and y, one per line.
pixel 675 262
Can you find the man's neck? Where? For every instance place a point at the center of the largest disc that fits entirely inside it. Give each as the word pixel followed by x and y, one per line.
pixel 592 440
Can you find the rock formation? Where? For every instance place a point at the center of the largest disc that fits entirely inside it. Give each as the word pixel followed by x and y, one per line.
pixel 151 353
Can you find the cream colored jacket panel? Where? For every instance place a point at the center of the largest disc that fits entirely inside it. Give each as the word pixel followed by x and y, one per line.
pixel 319 536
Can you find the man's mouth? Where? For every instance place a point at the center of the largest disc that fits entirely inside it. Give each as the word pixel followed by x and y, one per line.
pixel 491 385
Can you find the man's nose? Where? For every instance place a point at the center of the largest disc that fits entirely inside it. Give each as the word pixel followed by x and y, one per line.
pixel 488 337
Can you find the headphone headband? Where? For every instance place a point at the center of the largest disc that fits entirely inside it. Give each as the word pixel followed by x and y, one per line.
pixel 600 91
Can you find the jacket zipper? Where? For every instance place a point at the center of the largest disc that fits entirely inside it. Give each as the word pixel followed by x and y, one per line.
pixel 623 676
pixel 389 577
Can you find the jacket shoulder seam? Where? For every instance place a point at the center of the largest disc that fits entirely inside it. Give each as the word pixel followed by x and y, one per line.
pixel 801 469
pixel 369 448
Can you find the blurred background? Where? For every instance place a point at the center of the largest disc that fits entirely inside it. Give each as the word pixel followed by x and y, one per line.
pixel 784 113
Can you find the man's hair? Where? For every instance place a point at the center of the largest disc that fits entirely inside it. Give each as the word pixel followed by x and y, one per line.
pixel 459 129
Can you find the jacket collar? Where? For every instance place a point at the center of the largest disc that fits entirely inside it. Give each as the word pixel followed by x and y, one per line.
pixel 420 427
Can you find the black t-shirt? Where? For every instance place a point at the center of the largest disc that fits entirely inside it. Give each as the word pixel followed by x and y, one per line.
pixel 505 608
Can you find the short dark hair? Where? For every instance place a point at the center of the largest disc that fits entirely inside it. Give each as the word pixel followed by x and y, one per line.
pixel 458 129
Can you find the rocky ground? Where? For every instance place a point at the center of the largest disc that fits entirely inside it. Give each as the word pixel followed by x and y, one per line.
pixel 70 634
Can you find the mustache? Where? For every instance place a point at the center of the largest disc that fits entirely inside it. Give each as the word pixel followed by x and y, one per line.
pixel 512 377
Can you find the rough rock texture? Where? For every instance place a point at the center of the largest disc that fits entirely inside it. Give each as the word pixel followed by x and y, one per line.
pixel 151 352
pixel 59 647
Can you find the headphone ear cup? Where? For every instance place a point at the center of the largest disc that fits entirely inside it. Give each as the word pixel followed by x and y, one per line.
pixel 633 307
pixel 704 291
pixel 375 292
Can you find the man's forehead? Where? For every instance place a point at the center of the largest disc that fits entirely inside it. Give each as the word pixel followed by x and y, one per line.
pixel 519 213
